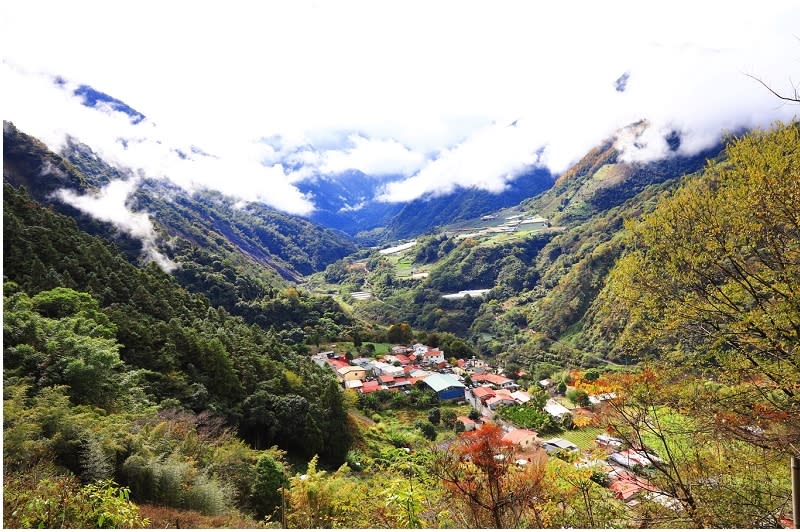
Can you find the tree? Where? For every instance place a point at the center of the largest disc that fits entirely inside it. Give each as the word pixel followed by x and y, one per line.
pixel 428 430
pixel 435 415
pixel 266 490
pixel 714 479
pixel 716 267
pixel 591 375
pixel 318 499
pixel 399 333
pixel 449 418
pixel 579 397
pixel 479 472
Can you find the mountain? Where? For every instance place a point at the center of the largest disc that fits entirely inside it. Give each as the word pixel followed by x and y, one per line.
pixel 346 202
pixel 542 282
pixel 423 215
pixel 91 97
pixel 228 253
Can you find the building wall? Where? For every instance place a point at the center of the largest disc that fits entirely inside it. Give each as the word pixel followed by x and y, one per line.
pixel 355 375
pixel 454 393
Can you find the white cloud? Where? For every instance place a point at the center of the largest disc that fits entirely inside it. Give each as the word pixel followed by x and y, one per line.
pixel 486 160
pixel 413 78
pixel 50 113
pixel 109 205
pixel 372 157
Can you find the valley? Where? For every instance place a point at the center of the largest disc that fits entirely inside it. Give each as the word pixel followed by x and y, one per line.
pixel 278 358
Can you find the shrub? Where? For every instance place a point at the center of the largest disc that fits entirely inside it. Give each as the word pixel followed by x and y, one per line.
pixel 265 494
pixel 38 499
pixel 428 430
pixel 206 496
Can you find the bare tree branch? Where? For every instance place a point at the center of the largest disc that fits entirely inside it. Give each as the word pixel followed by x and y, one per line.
pixel 795 98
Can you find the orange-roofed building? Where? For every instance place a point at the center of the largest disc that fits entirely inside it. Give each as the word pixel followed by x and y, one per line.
pixel 370 386
pixel 468 423
pixel 626 486
pixel 523 438
pixel 491 378
pixel 483 393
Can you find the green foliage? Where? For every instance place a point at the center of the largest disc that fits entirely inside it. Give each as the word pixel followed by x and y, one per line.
pixel 449 418
pixel 270 478
pixel 399 333
pixel 428 430
pixel 714 270
pixel 529 417
pixel 39 499
pixel 579 397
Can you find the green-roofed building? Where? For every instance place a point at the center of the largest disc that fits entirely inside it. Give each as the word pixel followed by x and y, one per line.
pixel 447 387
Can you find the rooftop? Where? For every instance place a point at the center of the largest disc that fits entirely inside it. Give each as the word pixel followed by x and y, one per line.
pixel 518 435
pixel 440 382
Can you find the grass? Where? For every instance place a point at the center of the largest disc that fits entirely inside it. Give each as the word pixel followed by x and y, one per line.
pixel 341 347
pixel 583 438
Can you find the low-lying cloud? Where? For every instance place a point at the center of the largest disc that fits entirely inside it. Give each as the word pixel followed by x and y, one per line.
pixel 396 89
pixel 109 204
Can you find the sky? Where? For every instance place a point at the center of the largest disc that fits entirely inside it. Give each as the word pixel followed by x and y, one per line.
pixel 436 94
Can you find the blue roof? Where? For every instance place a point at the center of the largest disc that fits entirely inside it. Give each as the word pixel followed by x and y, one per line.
pixel 440 382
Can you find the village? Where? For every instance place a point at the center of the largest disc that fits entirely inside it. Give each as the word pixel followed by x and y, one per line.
pixel 486 389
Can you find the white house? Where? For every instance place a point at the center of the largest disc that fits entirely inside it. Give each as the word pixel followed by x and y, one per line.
pixel 555 409
pixel 419 349
pixel 597 399
pixel 433 356
pixel 382 368
pixel 556 444
pixel 521 397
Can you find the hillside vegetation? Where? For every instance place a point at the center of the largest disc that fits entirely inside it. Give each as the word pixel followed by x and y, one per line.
pixel 134 397
pixel 240 258
pixel 542 281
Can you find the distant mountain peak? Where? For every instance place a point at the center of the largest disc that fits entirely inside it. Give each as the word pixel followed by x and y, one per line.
pixel 91 97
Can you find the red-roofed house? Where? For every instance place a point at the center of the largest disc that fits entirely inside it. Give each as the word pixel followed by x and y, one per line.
pixel 477 396
pixel 494 402
pixel 505 394
pixel 496 380
pixel 468 423
pixel 370 386
pixel 524 438
pixel 403 359
pixel 483 393
pixel 386 379
pixel 626 486
pixel 461 363
pixel 337 363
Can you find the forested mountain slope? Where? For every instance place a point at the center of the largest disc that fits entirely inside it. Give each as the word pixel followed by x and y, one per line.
pixel 424 215
pixel 238 257
pixel 542 281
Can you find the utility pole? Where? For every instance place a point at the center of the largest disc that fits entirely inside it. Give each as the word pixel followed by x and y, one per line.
pixel 283 507
pixel 796 491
